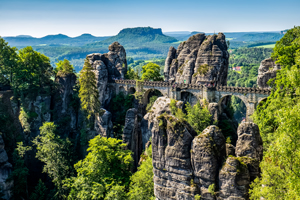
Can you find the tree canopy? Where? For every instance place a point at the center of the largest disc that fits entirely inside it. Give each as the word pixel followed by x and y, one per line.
pixel 278 120
pixel 151 72
pixel 64 67
pixel 103 172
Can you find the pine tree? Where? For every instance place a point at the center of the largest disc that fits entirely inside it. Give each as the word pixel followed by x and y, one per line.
pixel 88 92
pixel 39 192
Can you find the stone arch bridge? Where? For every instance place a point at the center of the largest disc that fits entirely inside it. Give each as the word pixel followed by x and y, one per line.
pixel 192 93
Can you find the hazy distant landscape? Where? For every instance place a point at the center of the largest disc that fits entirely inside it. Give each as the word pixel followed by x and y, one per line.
pixel 141 43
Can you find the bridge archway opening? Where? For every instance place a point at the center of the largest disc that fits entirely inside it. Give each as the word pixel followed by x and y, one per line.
pixel 188 97
pixel 234 107
pixel 131 90
pixel 122 90
pixel 151 95
pixel 262 101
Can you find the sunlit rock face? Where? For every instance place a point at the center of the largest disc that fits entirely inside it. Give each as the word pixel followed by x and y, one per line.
pixel 108 66
pixel 266 71
pixel 199 60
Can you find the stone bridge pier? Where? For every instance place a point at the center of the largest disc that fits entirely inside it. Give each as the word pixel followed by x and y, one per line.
pixel 192 93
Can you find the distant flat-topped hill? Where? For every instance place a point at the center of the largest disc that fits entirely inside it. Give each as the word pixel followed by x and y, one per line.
pixel 137 36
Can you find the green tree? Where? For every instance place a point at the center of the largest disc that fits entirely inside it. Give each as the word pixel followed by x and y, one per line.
pixel 8 63
pixel 198 117
pixel 131 74
pixel 64 67
pixel 55 153
pixel 151 72
pixel 142 185
pixel 40 192
pixel 34 70
pixel 20 172
pixel 104 169
pixel 278 120
pixel 88 92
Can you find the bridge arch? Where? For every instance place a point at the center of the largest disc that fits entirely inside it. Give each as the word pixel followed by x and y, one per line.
pixel 243 103
pixel 122 89
pixel 149 93
pixel 131 90
pixel 187 96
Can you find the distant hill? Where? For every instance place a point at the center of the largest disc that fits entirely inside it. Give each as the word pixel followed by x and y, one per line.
pixel 52 40
pixel 137 36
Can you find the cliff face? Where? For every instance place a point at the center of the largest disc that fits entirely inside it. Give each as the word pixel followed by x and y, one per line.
pixel 199 60
pixel 108 66
pixel 266 71
pixel 5 170
pixel 186 165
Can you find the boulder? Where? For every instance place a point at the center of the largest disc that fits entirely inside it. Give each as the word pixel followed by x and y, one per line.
pixel 266 71
pixel 199 60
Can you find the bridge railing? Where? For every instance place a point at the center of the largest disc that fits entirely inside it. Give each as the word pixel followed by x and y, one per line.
pixel 244 90
pixel 197 87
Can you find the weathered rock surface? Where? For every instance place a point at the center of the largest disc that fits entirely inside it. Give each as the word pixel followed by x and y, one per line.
pixel 171 146
pixel 103 124
pixel 5 170
pixel 199 60
pixel 249 144
pixel 266 71
pixel 234 180
pixel 64 107
pixel 230 150
pixel 108 66
pixel 132 135
pixel 214 110
pixel 208 152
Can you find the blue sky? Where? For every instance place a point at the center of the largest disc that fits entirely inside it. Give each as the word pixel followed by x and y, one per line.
pixel 107 17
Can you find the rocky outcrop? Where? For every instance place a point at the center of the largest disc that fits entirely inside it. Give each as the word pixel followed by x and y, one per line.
pixel 249 144
pixel 171 147
pixel 103 124
pixel 234 180
pixel 208 152
pixel 108 66
pixel 5 170
pixel 65 105
pixel 160 106
pixel 132 135
pixel 266 71
pixel 214 110
pixel 199 60
pixel 186 165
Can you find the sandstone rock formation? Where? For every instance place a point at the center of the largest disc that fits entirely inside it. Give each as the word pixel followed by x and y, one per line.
pixel 108 66
pixel 160 106
pixel 62 100
pixel 234 180
pixel 249 144
pixel 186 165
pixel 266 71
pixel 103 124
pixel 132 135
pixel 171 146
pixel 5 170
pixel 208 152
pixel 199 60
